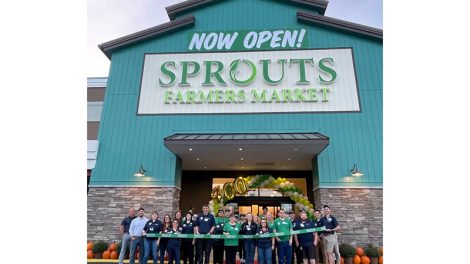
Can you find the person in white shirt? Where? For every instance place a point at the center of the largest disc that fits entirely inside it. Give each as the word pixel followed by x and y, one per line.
pixel 136 232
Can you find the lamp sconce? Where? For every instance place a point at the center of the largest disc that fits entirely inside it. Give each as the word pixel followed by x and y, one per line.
pixel 140 172
pixel 355 172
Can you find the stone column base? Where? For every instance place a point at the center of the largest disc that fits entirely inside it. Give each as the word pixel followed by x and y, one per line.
pixel 107 207
pixel 359 212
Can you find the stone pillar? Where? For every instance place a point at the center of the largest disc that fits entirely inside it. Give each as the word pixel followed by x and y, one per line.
pixel 107 206
pixel 359 212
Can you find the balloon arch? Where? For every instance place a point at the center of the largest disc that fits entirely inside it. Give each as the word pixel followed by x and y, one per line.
pixel 221 196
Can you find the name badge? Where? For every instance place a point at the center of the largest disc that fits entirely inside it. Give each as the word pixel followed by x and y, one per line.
pixel 248 228
pixel 206 219
pixel 302 225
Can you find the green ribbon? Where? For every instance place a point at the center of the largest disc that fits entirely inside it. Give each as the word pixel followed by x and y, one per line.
pixel 207 236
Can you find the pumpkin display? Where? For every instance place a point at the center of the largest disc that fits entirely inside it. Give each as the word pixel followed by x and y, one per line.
pixel 365 260
pixel 106 254
pixel 357 260
pixel 114 255
pixel 360 251
pixel 89 246
pixel 90 254
pixel 112 247
pixel 381 259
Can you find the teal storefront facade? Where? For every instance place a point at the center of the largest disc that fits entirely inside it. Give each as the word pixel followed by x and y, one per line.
pixel 128 139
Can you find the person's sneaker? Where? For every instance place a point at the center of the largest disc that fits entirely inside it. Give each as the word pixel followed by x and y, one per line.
pixel 242 261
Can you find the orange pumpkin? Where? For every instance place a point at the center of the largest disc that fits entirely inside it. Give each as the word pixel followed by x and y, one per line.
pixel 359 251
pixel 114 255
pixel 357 260
pixel 89 246
pixel 365 260
pixel 106 254
pixel 112 247
pixel 89 254
pixel 341 260
pixel 381 260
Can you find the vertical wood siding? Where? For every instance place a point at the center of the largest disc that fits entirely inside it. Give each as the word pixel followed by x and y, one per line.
pixel 128 140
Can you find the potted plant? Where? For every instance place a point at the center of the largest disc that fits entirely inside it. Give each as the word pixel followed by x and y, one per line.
pixel 348 252
pixel 99 247
pixel 373 253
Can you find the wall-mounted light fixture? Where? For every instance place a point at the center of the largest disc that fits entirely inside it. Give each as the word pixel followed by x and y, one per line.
pixel 140 172
pixel 355 172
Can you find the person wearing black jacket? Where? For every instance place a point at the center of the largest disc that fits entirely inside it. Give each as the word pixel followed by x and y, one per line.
pixel 187 244
pixel 249 228
pixel 153 226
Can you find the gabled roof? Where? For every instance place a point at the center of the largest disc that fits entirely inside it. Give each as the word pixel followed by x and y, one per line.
pixel 174 10
pixel 340 25
pixel 177 24
pixel 146 34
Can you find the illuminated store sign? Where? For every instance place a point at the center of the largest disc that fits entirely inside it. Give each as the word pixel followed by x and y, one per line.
pixel 308 80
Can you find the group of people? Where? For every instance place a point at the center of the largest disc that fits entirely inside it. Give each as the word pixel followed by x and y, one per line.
pixel 136 232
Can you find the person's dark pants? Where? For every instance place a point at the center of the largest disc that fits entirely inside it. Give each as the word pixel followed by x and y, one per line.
pixel 161 249
pixel 196 255
pixel 173 254
pixel 187 250
pixel 298 254
pixel 204 247
pixel 150 249
pixel 218 248
pixel 249 251
pixel 137 242
pixel 264 255
pixel 273 256
pixel 230 254
pixel 241 249
pixel 284 252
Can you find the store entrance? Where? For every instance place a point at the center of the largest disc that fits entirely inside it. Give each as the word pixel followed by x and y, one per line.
pixel 244 205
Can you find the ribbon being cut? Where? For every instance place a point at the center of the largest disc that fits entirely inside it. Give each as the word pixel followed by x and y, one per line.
pixel 207 236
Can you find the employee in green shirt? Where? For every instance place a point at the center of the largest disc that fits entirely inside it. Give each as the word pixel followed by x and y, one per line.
pixel 284 248
pixel 231 244
pixel 270 220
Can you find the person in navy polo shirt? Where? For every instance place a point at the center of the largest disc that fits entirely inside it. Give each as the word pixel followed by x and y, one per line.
pixel 295 249
pixel 153 226
pixel 205 224
pixel 318 223
pixel 126 238
pixel 329 235
pixel 174 243
pixel 308 241
pixel 187 244
pixel 266 244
